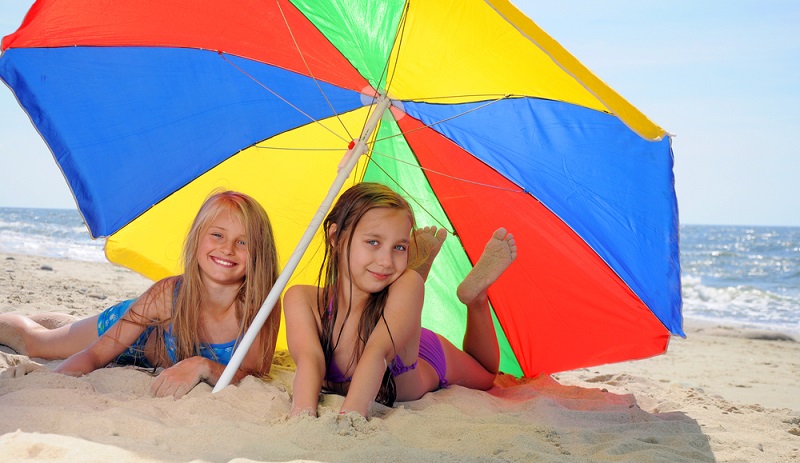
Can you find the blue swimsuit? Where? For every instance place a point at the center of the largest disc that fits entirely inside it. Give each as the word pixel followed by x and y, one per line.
pixel 134 355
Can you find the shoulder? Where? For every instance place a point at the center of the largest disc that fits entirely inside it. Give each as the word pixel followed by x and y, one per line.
pixel 164 290
pixel 300 307
pixel 164 285
pixel 300 295
pixel 156 303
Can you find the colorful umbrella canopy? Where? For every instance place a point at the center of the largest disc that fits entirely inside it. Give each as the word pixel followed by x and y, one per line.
pixel 147 106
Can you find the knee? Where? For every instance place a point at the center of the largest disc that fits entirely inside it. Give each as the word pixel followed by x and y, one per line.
pixel 486 381
pixel 478 380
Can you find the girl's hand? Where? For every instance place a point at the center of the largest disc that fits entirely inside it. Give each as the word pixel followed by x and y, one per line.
pixel 180 378
pixel 22 369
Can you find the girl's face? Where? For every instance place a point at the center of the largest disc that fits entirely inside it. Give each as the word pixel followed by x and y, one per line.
pixel 222 253
pixel 378 250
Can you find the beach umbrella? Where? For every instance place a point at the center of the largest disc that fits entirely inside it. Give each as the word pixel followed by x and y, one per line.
pixel 466 107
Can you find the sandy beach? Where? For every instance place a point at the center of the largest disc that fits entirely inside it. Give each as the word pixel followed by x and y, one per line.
pixel 722 394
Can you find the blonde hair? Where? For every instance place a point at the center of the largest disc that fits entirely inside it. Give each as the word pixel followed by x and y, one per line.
pixel 260 275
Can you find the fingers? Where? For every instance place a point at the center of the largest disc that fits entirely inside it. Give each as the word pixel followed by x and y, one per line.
pixel 175 390
pixel 161 388
pixel 156 385
pixel 13 372
pixel 165 385
pixel 18 371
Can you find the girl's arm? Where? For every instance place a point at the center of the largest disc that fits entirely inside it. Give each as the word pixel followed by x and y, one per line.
pixel 150 306
pixel 182 377
pixel 403 315
pixel 302 336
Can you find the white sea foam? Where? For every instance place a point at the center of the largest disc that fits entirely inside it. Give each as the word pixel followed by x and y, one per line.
pixel 742 275
pixel 50 247
pixel 48 232
pixel 742 305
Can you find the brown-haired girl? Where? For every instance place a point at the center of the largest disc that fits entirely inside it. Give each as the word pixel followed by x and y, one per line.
pixel 359 332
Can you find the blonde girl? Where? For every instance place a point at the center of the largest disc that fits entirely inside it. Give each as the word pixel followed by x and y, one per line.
pixel 358 333
pixel 188 324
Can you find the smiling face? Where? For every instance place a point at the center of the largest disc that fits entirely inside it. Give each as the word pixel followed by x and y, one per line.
pixel 378 250
pixel 222 254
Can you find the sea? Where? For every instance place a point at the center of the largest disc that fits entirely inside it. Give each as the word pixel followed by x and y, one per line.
pixel 739 275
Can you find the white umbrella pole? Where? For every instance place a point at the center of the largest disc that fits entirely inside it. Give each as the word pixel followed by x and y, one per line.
pixel 345 168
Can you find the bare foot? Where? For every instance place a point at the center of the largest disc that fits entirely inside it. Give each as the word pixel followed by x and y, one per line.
pixel 52 320
pixel 11 328
pixel 429 240
pixel 500 251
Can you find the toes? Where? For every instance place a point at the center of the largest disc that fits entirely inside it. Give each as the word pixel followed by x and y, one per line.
pixel 499 234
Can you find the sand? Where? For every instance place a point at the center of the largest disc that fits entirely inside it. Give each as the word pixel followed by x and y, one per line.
pixel 721 395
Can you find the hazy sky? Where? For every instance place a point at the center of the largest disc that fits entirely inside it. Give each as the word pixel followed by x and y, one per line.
pixel 724 77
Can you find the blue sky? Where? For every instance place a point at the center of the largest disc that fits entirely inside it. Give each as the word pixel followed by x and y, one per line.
pixel 724 77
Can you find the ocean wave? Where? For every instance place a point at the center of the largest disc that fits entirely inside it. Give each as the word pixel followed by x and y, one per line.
pixel 743 275
pixel 742 304
pixel 17 243
pixel 48 232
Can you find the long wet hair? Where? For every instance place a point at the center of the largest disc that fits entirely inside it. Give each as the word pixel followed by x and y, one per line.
pixel 346 214
pixel 260 275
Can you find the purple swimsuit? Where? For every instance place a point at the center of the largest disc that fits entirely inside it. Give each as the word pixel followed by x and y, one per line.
pixel 430 350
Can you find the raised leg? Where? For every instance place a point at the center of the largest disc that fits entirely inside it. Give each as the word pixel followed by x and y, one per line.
pixel 480 339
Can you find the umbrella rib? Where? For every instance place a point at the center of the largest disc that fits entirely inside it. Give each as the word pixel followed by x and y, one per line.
pixel 408 194
pixel 459 179
pixel 281 98
pixel 398 35
pixel 288 148
pixel 401 26
pixel 471 97
pixel 426 126
pixel 308 68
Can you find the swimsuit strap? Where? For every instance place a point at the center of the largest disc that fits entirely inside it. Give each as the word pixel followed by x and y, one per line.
pixel 220 352
pixel 398 367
